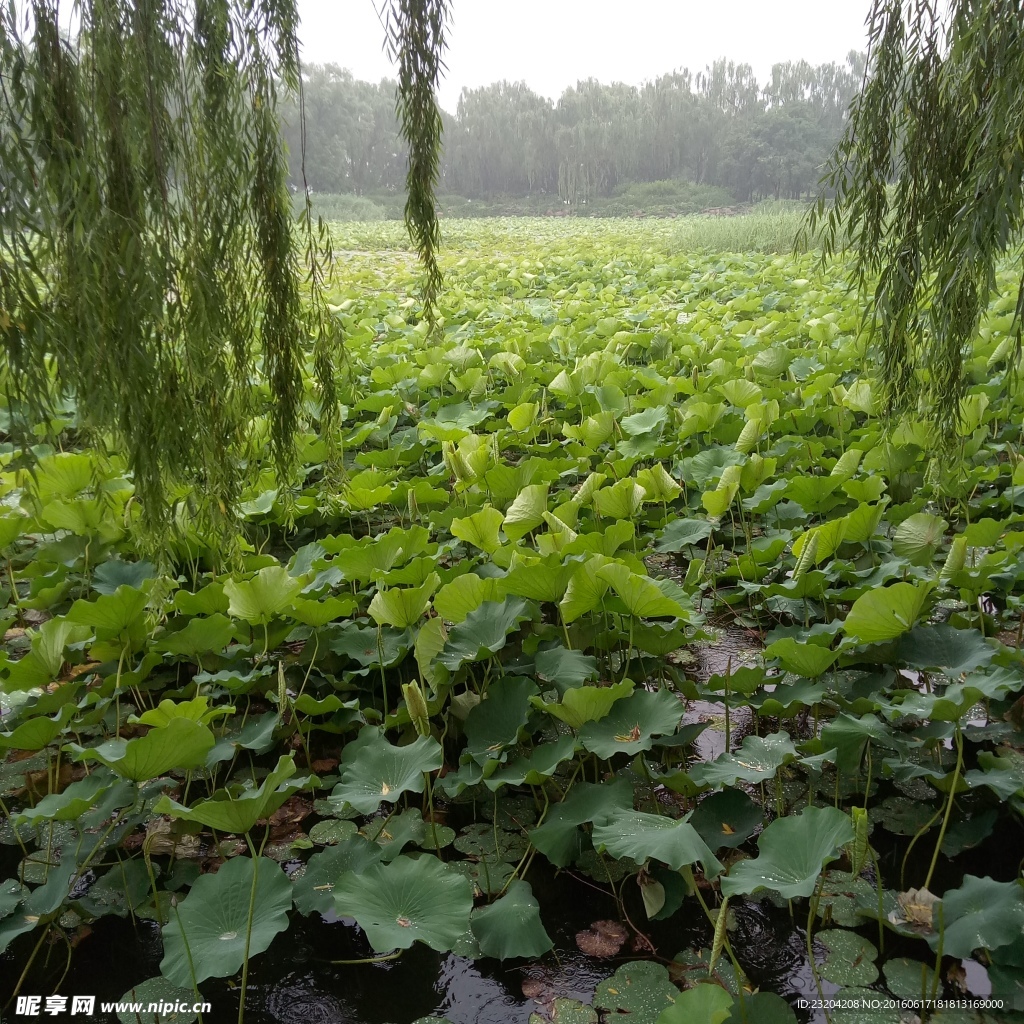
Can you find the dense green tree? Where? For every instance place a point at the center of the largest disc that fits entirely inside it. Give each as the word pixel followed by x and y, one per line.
pixel 928 186
pixel 150 269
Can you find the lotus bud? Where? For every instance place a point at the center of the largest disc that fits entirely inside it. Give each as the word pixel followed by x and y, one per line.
pixel 417 705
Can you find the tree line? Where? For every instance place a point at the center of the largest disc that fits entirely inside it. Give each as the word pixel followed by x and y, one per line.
pixel 716 127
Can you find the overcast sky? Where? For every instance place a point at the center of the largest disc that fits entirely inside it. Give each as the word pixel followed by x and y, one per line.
pixel 551 44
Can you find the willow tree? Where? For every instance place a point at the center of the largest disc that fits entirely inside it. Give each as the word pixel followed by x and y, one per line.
pixel 151 268
pixel 928 183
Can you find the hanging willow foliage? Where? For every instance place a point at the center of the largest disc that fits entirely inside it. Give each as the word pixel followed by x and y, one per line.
pixel 929 188
pixel 151 268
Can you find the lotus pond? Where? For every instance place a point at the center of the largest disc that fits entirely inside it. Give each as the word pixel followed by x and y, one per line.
pixel 626 669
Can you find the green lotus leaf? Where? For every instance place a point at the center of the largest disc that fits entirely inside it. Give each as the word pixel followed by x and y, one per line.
pixel 319 613
pixel 372 769
pixel 72 803
pixel 953 651
pixel 620 501
pixel 266 595
pixel 534 768
pixel 908 979
pixel 483 632
pixel 237 810
pixel 565 668
pixel 159 992
pixel 681 533
pixel 640 594
pixel 511 926
pixel 636 993
pixel 539 581
pixel 480 529
pixel 331 831
pixel 651 836
pixel 117 616
pixel 403 607
pixel 1003 773
pixel 464 594
pixel 395 832
pixel 314 888
pixel 650 421
pixel 196 710
pixel 114 573
pixel 850 960
pixel 205 936
pixel 757 760
pixel 727 818
pixel 373 647
pixel 494 724
pixel 42 664
pixel 658 485
pixel 567 1011
pixel 583 704
pixel 526 512
pixel 918 537
pixel 180 744
pixel 706 1002
pixel 792 853
pixel 202 635
pixel 632 724
pixel 886 612
pixel 559 837
pixel 803 659
pixel 38 732
pixel 585 590
pixel 407 901
pixel 981 914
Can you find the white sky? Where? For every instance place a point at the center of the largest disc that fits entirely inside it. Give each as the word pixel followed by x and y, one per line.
pixel 551 44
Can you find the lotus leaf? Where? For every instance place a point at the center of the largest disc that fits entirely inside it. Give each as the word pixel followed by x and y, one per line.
pixel 182 743
pixel 792 853
pixel 637 993
pixel 206 935
pixel 511 926
pixel 651 836
pixel 372 769
pixel 406 901
pixel 632 724
pixel 886 613
pixel 757 759
pixel 266 595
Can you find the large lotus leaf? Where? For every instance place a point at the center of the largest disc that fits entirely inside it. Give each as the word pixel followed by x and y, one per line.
pixel 202 635
pixel 536 767
pixel 658 484
pixel 918 537
pixel 586 589
pixel 706 1002
pixel 565 1011
pixel 583 704
pixel 539 581
pixel 511 926
pixel 620 501
pixel 403 607
pixel 850 736
pixel 632 724
pixel 559 838
pixel 801 658
pixel 406 901
pixel 526 512
pixel 197 710
pixel 42 664
pixel 908 979
pixel 114 573
pixel 650 421
pixel 37 732
pixel 757 760
pixel 681 533
pixel 464 594
pixel 314 888
pixel 957 699
pixel 480 529
pixel 640 594
pixel 266 595
pixel 565 668
pixel 395 832
pixel 981 914
pixel 372 769
pixel 117 616
pixel 792 853
pixel 885 613
pixel 636 993
pixel 495 722
pixel 72 803
pixel 371 647
pixel 205 936
pixel 483 632
pixel 727 818
pixel 181 744
pixel 1003 773
pixel 237 810
pixel 954 651
pixel 158 992
pixel 319 613
pixel 653 836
